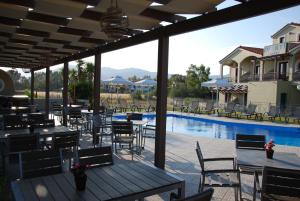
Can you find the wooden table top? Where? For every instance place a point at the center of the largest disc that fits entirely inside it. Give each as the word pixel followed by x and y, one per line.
pixel 45 132
pixel 257 159
pixel 123 181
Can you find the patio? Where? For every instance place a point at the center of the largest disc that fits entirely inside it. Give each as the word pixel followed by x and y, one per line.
pixel 39 34
pixel 184 162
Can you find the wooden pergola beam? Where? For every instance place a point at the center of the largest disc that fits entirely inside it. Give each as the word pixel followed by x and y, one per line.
pixel 242 11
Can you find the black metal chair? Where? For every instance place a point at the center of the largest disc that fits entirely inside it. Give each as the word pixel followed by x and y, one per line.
pixel 148 132
pixel 96 157
pixel 203 196
pixel 67 142
pixel 218 177
pixel 40 163
pixel 100 129
pixel 280 184
pixel 17 144
pixel 254 142
pixel 123 135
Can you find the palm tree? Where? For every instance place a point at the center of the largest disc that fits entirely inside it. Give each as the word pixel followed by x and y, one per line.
pixel 73 77
pixel 89 68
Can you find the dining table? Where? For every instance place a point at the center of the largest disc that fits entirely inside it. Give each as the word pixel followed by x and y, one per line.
pixel 255 160
pixel 43 132
pixel 131 180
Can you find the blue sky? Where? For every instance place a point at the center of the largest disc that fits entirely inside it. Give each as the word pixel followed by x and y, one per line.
pixel 204 46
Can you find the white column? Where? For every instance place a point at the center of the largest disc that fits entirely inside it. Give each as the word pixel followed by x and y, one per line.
pixel 221 71
pixel 292 62
pixel 239 73
pixel 261 70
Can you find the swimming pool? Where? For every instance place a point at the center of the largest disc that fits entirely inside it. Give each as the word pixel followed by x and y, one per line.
pixel 226 130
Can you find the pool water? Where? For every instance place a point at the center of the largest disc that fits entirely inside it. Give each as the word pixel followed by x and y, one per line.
pixel 226 130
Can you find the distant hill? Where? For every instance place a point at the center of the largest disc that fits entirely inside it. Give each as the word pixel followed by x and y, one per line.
pixel 107 72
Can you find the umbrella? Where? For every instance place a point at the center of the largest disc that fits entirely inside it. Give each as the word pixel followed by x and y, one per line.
pixel 118 80
pixel 216 83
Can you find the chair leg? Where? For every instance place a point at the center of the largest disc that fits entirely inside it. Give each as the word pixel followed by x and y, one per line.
pixel 202 183
pixel 240 186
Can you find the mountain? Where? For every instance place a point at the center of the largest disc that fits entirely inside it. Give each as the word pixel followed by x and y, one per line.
pixel 107 72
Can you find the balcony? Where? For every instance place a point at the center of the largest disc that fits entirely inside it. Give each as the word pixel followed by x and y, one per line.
pixel 276 49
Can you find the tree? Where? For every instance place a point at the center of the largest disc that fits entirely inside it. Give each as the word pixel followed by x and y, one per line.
pixel 89 70
pixel 79 65
pixel 196 75
pixel 134 78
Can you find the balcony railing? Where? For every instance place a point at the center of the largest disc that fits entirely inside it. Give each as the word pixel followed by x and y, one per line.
pixel 247 78
pixel 274 76
pixel 275 49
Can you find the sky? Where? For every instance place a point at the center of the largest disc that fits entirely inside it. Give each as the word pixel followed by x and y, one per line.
pixel 205 47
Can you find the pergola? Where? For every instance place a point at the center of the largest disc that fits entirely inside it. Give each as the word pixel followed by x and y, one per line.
pixel 37 34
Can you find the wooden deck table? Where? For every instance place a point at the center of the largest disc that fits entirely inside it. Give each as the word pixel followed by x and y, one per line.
pixel 122 181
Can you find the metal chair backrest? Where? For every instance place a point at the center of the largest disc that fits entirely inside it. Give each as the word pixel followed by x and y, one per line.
pixel 56 107
pixel 296 112
pixel 273 110
pixel 194 105
pixel 36 118
pixel 40 163
pixel 230 107
pixel 256 142
pixel 136 116
pixel 97 121
pixel 23 142
pixel 46 124
pixel 178 102
pixel 251 108
pixel 277 182
pixel 95 157
pixel 200 156
pixel 122 128
pixel 74 113
pixel 209 105
pixel 63 140
pixel 13 121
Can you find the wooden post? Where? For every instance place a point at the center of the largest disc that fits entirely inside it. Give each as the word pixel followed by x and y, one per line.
pixel 161 104
pixel 47 92
pixel 65 92
pixel 97 76
pixel 32 87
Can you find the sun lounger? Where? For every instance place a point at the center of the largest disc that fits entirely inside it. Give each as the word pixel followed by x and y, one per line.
pixel 228 110
pixel 250 112
pixel 293 115
pixel 209 108
pixel 193 107
pixel 272 114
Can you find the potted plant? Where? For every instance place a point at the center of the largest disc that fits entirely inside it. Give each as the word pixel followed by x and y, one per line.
pixel 79 176
pixel 269 149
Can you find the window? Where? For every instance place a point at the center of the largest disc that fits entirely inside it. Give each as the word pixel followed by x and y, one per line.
pixel 299 37
pixel 256 69
pixel 227 97
pixel 281 40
